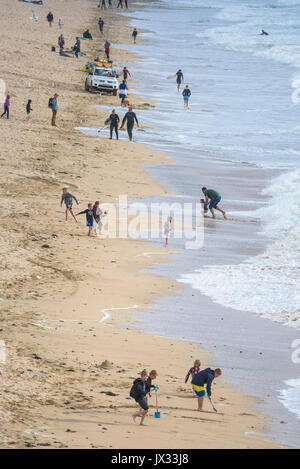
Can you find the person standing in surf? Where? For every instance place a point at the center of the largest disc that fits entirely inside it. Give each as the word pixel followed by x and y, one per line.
pixel 186 96
pixel 134 35
pixel 179 79
pixel 211 201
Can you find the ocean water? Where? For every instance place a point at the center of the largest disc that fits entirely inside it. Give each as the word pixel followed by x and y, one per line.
pixel 245 108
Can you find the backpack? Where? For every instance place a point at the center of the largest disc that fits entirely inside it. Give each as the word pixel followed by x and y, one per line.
pixel 50 103
pixel 134 391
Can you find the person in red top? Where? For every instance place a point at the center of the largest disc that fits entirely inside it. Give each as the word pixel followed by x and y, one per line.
pixel 194 370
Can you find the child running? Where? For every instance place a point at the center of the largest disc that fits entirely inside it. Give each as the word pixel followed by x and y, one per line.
pixel 67 198
pixel 89 213
pixel 193 371
pixel 139 394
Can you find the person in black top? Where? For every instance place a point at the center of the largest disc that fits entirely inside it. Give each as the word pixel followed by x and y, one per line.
pixel 89 213
pixel 102 4
pixel 101 24
pixel 120 4
pixel 28 109
pixel 186 96
pixel 139 394
pixel 149 385
pixel 179 79
pixel 134 35
pixel 87 34
pixel 114 123
pixel 50 18
pixel 61 41
pixel 129 117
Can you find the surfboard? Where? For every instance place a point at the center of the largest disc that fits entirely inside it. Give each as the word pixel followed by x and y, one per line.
pixel 172 76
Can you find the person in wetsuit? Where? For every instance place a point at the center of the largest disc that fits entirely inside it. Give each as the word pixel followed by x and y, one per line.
pixel 179 79
pixel 130 117
pixel 114 123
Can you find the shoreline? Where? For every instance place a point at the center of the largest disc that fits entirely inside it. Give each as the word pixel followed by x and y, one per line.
pixel 60 387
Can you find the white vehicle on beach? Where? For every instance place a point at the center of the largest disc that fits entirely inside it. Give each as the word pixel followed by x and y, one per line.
pixel 102 79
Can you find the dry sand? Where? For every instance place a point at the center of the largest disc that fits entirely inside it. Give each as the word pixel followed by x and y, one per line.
pixel 57 294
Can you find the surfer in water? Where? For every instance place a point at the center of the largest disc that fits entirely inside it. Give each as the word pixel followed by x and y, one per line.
pixel 179 79
pixel 263 33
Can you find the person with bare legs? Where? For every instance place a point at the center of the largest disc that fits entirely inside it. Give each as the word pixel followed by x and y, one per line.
pixel 139 393
pixel 167 229
pixel 199 381
pixel 211 201
pixel 67 198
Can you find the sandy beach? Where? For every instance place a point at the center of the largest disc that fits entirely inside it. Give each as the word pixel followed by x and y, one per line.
pixel 65 298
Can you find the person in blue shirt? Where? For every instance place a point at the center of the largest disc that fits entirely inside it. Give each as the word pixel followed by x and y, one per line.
pixel 54 107
pixel 193 371
pixel 201 379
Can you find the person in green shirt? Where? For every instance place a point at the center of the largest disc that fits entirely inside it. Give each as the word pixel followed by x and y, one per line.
pixel 211 201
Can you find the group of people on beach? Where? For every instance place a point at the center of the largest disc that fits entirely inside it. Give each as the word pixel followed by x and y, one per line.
pixel 119 4
pixel 93 213
pixel 201 381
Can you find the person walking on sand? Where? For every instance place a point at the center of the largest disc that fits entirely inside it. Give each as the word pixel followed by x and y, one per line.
pixel 193 371
pixel 50 18
pixel 123 88
pixel 126 3
pixel 61 41
pixel 179 79
pixel 107 49
pixel 67 198
pixel 6 106
pixel 120 4
pixel 134 35
pixel 130 117
pixel 126 72
pixel 186 96
pixel 60 23
pixel 28 109
pixel 139 394
pixel 97 216
pixel 89 213
pixel 77 47
pixel 114 123
pixel 54 106
pixel 211 201
pixel 101 24
pixel 199 381
pixel 167 229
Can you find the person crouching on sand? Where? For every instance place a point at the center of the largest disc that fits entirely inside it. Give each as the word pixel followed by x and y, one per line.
pixel 193 371
pixel 89 218
pixel 201 379
pixel 139 394
pixel 67 198
pixel 211 201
